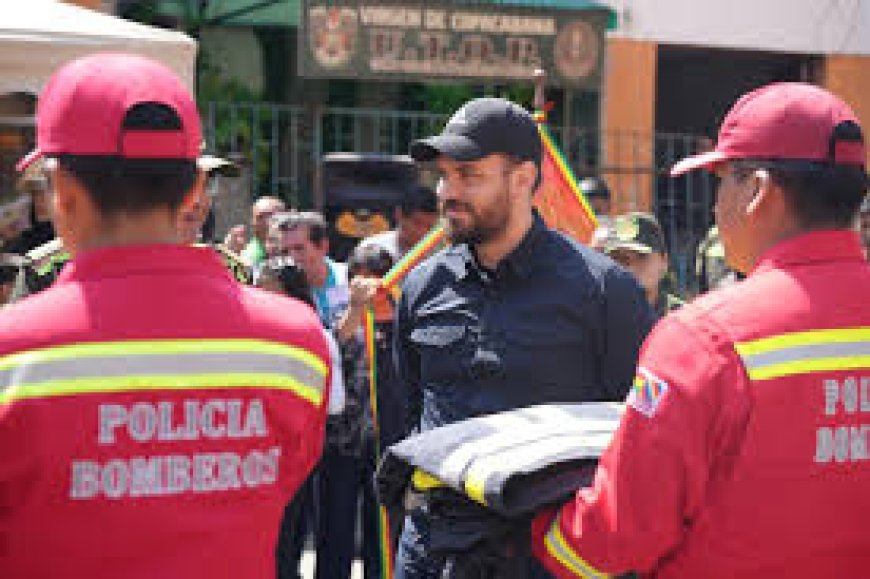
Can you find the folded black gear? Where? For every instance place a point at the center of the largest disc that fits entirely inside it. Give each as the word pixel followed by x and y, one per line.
pixel 513 462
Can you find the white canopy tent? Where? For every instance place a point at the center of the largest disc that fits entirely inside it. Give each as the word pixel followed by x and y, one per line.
pixel 38 36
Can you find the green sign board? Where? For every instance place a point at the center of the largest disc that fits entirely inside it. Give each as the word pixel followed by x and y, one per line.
pixel 394 40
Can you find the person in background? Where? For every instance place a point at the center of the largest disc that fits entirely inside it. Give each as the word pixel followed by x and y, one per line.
pixel 196 226
pixel 156 414
pixel 281 275
pixel 275 246
pixel 636 242
pixel 235 239
pixel 261 212
pixel 346 475
pixel 512 314
pixel 415 216
pixel 33 184
pixel 743 448
pixel 41 265
pixel 598 195
pixel 304 238
pixel 711 269
pixel 10 264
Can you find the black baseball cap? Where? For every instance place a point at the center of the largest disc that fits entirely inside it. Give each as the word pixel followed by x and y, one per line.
pixel 483 127
pixel 635 231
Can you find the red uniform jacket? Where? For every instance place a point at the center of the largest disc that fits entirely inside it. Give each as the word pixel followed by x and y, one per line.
pixel 744 450
pixel 155 418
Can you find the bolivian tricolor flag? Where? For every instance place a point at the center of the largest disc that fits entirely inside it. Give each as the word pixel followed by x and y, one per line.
pixel 431 243
pixel 559 199
pixel 392 283
pixel 385 541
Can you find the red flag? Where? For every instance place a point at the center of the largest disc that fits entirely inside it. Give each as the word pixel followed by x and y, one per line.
pixel 559 199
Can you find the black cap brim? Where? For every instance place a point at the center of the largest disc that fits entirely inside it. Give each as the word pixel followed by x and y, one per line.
pixel 457 147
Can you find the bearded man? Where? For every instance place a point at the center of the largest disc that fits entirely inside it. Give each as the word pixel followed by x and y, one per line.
pixel 512 314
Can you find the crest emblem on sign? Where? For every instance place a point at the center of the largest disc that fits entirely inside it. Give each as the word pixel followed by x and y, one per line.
pixel 576 50
pixel 333 33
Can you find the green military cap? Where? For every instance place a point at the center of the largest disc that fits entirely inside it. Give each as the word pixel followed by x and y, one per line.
pixel 635 231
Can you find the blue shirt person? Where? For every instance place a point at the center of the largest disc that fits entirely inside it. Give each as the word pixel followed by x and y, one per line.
pixel 512 314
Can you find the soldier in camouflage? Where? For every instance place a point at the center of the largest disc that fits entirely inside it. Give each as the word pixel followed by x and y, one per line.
pixel 42 264
pixel 635 240
pixel 710 268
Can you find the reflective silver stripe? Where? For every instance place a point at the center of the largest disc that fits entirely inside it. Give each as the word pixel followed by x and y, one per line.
pixel 490 467
pixel 161 365
pixel 806 352
pixel 559 550
pixel 579 426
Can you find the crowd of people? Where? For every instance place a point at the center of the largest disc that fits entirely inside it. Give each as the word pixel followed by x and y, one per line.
pixel 161 417
pixel 289 254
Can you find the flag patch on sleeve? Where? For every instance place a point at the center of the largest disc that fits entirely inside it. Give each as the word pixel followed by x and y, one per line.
pixel 646 392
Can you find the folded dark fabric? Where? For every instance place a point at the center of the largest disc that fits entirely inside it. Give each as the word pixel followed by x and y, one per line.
pixel 512 462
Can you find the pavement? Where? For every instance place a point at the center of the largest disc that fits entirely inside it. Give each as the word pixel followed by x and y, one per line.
pixel 307 565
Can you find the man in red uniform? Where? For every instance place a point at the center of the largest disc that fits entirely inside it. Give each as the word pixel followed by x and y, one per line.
pixel 743 451
pixel 155 415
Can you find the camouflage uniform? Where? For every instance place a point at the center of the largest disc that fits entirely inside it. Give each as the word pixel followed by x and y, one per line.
pixel 43 264
pixel 667 302
pixel 710 266
pixel 234 262
pixel 39 269
pixel 640 233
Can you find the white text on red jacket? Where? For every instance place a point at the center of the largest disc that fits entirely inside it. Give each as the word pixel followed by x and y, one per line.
pixel 839 442
pixel 171 474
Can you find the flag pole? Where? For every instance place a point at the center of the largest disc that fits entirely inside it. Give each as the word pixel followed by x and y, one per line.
pixel 540 99
pixel 559 199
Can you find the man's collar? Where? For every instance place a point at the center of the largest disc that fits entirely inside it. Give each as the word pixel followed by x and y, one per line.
pixel 461 258
pixel 814 246
pixel 127 260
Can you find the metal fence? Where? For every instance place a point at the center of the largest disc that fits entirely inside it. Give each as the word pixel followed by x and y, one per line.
pixel 283 145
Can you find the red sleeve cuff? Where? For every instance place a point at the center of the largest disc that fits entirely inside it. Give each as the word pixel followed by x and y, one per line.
pixel 540 527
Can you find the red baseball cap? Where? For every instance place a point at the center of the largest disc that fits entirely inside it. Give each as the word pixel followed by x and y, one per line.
pixel 786 120
pixel 81 111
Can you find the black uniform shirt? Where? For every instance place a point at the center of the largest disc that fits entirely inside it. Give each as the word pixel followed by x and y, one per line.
pixel 555 322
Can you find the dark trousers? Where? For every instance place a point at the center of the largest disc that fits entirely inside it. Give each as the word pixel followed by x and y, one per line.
pixel 343 481
pixel 415 559
pixel 295 525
